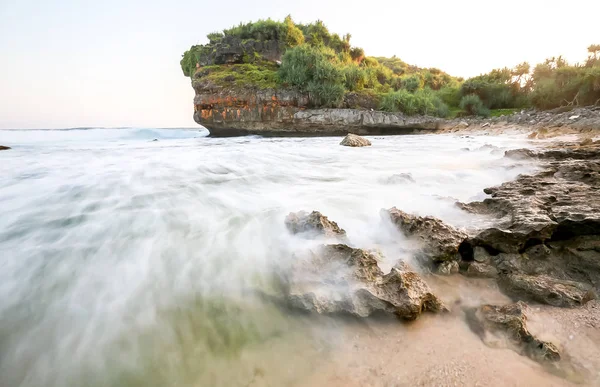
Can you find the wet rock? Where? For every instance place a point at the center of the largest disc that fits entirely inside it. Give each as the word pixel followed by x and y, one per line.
pixel 520 154
pixel 480 254
pixel 548 290
pixel 448 268
pixel 481 270
pixel 314 223
pixel 511 321
pixel 353 140
pixel 440 241
pixel 340 279
pixel 2 147
pixel 547 225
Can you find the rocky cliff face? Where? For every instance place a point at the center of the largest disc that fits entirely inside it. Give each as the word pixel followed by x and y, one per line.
pixel 230 111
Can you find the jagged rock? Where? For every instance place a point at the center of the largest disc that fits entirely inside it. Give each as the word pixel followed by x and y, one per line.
pixel 440 241
pixel 546 242
pixel 341 279
pixel 355 141
pixel 548 290
pixel 511 320
pixel 314 223
pixel 448 268
pixel 2 147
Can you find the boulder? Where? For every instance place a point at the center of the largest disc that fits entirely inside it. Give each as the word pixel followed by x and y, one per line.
pixel 440 241
pixel 340 279
pixel 548 290
pixel 510 321
pixel 314 223
pixel 353 140
pixel 2 147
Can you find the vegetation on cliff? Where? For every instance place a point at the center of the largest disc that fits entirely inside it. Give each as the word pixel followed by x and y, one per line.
pixel 331 72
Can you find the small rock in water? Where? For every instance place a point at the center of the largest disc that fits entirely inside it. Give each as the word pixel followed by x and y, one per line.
pixel 355 141
pixel 399 178
pixel 2 147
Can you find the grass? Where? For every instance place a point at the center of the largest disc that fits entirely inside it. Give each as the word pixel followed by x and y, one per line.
pixel 248 75
pixel 503 112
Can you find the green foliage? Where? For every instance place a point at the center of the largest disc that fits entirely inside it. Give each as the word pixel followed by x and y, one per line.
pixel 326 66
pixel 256 76
pixel 293 36
pixel 355 77
pixel 316 71
pixel 450 95
pixel 412 83
pixel 421 102
pixel 473 105
pixel 261 30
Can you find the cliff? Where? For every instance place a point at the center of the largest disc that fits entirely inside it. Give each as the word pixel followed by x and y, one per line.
pixel 232 111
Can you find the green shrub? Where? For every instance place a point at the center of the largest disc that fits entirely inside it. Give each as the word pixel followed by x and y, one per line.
pixel 472 105
pixel 293 36
pixel 421 102
pixel 355 77
pixel 450 95
pixel 412 83
pixel 316 71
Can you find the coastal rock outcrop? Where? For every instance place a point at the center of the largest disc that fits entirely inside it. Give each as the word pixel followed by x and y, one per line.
pixel 510 321
pixel 546 244
pixel 341 279
pixel 441 242
pixel 2 147
pixel 235 111
pixel 353 140
pixel 313 224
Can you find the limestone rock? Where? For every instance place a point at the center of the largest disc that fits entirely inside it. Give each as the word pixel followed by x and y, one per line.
pixel 548 290
pixel 440 241
pixel 481 270
pixel 314 223
pixel 353 140
pixel 511 321
pixel 341 279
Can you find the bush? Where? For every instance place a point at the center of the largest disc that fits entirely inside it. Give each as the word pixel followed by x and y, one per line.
pixel 450 95
pixel 355 77
pixel 314 70
pixel 422 102
pixel 293 36
pixel 472 105
pixel 412 83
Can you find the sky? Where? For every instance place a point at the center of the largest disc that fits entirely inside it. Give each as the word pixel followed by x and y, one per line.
pixel 115 63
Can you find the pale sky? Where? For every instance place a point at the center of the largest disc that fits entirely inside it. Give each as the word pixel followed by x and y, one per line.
pixel 115 63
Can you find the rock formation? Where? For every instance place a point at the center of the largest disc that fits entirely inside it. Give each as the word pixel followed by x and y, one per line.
pixel 440 241
pixel 353 140
pixel 341 279
pixel 2 147
pixel 314 224
pixel 510 321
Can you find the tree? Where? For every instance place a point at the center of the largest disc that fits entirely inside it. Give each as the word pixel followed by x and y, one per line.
pixel 520 71
pixel 293 35
pixel 594 50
